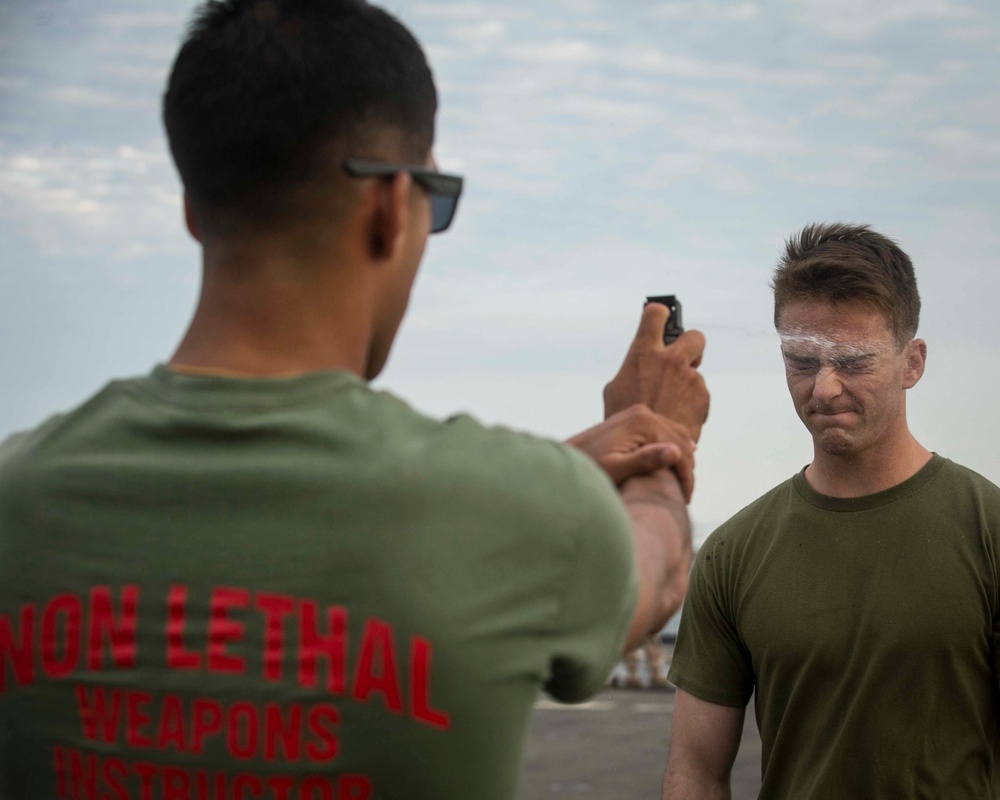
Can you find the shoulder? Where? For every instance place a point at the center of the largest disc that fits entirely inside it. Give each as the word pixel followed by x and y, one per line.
pixel 517 480
pixel 753 523
pixel 468 453
pixel 509 453
pixel 22 446
pixel 959 476
pixel 28 457
pixel 967 494
pixel 539 499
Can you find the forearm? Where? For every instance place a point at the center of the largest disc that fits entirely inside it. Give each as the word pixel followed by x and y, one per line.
pixel 661 532
pixel 704 740
pixel 679 786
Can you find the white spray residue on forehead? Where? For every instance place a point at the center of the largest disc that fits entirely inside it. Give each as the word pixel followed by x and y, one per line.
pixel 798 340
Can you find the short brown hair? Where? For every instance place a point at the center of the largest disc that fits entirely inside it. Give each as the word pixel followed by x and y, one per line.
pixel 840 263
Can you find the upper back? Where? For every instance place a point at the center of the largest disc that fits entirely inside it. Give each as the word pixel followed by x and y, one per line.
pixel 323 580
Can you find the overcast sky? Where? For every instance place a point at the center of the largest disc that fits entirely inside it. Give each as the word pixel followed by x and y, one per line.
pixel 611 150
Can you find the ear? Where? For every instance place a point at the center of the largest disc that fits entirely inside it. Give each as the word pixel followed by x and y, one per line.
pixel 390 216
pixel 916 361
pixel 190 219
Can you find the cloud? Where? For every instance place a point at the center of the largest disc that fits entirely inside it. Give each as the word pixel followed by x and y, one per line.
pixel 12 84
pixel 455 11
pixel 972 33
pixel 708 11
pixel 747 133
pixel 858 20
pixel 595 25
pixel 852 166
pixel 439 54
pixel 898 95
pixel 608 110
pixel 669 168
pixel 864 62
pixel 983 110
pixel 578 52
pixel 581 6
pixel 466 11
pixel 964 145
pixel 865 153
pixel 126 22
pixel 829 176
pixel 87 97
pixel 137 73
pixel 82 199
pixel 479 33
pixel 500 162
pixel 155 51
pixel 560 51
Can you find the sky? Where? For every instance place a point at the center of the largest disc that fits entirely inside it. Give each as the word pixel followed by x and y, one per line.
pixel 610 151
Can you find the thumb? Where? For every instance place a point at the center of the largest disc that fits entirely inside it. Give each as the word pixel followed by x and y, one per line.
pixel 651 325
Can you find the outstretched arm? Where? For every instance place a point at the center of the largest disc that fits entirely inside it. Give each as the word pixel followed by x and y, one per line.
pixel 661 533
pixel 703 745
pixel 654 408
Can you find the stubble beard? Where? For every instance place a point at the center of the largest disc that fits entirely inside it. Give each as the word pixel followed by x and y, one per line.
pixel 836 441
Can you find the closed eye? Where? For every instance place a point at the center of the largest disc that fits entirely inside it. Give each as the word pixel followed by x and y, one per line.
pixel 853 364
pixel 798 364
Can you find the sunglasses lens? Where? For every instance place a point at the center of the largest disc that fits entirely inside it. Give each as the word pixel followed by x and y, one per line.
pixel 442 210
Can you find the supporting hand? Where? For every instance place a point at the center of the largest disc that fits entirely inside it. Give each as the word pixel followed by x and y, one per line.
pixel 637 441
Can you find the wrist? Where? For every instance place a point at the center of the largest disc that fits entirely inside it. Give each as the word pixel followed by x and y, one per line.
pixel 661 488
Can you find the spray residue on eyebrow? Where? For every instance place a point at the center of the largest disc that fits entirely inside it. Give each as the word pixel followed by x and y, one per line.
pixel 817 344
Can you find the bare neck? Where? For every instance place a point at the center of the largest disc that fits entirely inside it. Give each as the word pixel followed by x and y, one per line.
pixel 267 311
pixel 871 471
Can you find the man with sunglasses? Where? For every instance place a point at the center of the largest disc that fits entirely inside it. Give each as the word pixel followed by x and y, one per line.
pixel 249 575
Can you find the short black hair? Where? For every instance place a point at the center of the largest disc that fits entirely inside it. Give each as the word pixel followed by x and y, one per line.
pixel 840 263
pixel 261 89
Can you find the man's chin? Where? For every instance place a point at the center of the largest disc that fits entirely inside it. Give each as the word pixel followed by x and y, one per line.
pixel 836 443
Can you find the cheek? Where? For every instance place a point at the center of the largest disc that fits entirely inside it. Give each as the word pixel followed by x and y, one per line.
pixel 878 396
pixel 799 386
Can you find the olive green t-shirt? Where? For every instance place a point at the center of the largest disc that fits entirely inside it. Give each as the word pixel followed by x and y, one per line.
pixel 868 629
pixel 302 588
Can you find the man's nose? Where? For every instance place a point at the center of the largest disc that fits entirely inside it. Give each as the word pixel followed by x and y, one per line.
pixel 827 385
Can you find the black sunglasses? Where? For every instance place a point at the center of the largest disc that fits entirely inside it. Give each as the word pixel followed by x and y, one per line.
pixel 444 190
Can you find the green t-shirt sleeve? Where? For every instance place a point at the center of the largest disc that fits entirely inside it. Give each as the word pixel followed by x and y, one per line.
pixel 993 534
pixel 601 587
pixel 710 660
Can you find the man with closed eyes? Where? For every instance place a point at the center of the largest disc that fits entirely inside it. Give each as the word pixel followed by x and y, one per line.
pixel 859 601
